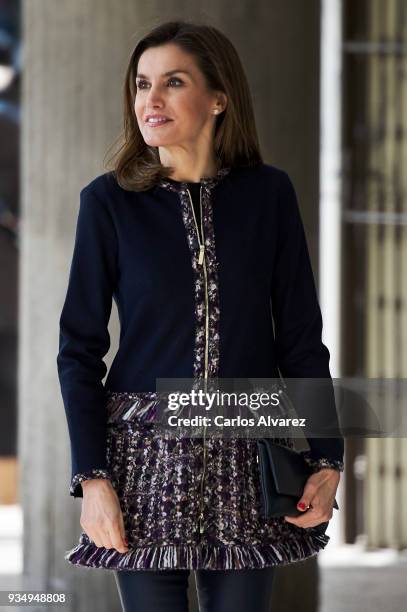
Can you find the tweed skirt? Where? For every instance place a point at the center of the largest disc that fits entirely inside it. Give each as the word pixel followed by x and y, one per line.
pixel 158 480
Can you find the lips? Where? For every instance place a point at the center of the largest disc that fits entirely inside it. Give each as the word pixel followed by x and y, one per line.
pixel 157 123
pixel 156 117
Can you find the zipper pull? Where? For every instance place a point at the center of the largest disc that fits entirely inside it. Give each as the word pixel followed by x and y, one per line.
pixel 201 254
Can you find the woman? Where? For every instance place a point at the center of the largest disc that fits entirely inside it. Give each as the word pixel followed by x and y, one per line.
pixel 192 235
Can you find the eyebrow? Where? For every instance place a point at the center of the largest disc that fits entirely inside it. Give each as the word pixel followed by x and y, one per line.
pixel 169 73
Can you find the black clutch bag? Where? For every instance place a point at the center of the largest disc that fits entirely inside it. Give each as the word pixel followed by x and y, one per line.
pixel 283 474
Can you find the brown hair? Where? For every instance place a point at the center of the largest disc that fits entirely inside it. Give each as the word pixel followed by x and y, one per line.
pixel 136 165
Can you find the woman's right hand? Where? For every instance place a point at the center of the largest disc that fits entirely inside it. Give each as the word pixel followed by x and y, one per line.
pixel 101 516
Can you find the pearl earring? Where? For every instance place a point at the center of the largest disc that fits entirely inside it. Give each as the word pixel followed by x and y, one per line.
pixel 216 111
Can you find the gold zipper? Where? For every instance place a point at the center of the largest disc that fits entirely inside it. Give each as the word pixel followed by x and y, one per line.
pixel 202 261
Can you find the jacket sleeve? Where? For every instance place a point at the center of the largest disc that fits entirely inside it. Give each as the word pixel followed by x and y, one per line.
pixel 84 339
pixel 297 319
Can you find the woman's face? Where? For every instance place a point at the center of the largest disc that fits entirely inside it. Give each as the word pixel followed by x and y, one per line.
pixel 181 97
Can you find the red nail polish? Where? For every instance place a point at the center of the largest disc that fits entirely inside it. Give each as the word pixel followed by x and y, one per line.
pixel 301 505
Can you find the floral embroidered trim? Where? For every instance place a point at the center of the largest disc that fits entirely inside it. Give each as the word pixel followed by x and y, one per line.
pixel 323 462
pixel 199 279
pixel 75 489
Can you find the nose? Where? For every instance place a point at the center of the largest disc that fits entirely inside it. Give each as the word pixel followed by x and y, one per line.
pixel 154 97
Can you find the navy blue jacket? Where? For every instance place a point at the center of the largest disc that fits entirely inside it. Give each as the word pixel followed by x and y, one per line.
pixel 136 248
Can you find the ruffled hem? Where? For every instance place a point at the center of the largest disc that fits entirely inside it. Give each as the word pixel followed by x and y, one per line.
pixel 200 556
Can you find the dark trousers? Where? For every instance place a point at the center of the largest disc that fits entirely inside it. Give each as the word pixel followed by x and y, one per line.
pixel 243 590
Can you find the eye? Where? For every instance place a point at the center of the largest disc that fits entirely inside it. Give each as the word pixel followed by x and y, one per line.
pixel 140 84
pixel 175 79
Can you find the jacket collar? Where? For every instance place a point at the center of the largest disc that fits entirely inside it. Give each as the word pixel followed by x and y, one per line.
pixel 207 181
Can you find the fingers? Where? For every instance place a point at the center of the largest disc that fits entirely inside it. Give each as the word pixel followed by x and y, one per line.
pixel 308 495
pixel 117 535
pixel 313 516
pixel 97 533
pixel 123 530
pixel 310 519
pixel 315 502
pixel 100 537
pixel 111 535
pixel 102 519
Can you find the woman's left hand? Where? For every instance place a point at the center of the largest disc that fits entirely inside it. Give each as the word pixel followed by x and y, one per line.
pixel 317 499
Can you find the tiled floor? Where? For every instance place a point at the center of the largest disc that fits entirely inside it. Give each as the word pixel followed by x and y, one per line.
pixel 354 580
pixel 364 589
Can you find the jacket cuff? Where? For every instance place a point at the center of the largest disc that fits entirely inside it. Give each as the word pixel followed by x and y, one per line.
pixel 323 462
pixel 75 488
